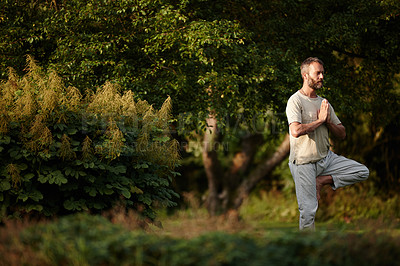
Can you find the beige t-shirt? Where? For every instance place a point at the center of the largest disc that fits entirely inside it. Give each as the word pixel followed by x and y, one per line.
pixel 313 146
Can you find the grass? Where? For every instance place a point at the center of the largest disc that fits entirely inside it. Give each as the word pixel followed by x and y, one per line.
pixel 185 224
pixel 275 213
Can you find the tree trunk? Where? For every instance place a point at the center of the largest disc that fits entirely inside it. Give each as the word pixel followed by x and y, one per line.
pixel 212 166
pixel 228 189
pixel 261 171
pixel 240 164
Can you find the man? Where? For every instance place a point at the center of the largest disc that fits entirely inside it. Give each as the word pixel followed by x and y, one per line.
pixel 311 162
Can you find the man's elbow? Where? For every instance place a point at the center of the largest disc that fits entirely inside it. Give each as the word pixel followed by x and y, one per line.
pixel 342 134
pixel 339 132
pixel 295 129
pixel 295 133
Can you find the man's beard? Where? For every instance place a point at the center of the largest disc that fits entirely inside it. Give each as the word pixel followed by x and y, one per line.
pixel 314 84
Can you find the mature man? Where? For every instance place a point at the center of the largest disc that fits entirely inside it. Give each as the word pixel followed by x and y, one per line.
pixel 311 162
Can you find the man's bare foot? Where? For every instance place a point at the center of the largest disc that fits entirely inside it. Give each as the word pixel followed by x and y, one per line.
pixel 323 180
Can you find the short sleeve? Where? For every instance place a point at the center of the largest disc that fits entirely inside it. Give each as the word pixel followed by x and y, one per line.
pixel 334 119
pixel 293 110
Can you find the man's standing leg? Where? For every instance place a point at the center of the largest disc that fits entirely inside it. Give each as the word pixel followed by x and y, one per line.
pixel 304 176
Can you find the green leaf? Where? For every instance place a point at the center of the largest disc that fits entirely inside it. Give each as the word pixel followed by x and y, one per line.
pixel 89 165
pixel 22 196
pixel 108 191
pixel 69 205
pixel 5 185
pixel 92 191
pixel 5 140
pixel 126 193
pixel 61 180
pixel 145 199
pixel 14 154
pixel 136 190
pixel 81 173
pixel 60 126
pixel 29 176
pixel 98 205
pixel 120 169
pixel 91 178
pixel 42 178
pixel 35 195
pixel 34 207
pixel 23 166
pixel 72 131
pixel 162 139
pixel 69 171
pixel 141 165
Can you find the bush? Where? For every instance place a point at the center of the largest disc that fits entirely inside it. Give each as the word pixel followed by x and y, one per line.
pixel 92 240
pixel 62 152
pixel 357 203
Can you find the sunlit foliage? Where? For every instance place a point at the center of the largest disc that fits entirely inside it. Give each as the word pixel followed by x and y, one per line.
pixel 62 151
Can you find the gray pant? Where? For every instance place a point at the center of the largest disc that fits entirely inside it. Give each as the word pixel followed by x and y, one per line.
pixel 343 171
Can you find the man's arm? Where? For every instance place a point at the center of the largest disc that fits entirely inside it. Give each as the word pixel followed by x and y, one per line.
pixel 297 129
pixel 337 130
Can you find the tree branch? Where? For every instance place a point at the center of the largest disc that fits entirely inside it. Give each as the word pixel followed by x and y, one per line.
pixel 240 163
pixel 261 171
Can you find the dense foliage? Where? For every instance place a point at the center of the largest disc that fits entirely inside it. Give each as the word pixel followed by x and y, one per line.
pixel 238 58
pixel 155 48
pixel 93 240
pixel 64 152
pixel 246 53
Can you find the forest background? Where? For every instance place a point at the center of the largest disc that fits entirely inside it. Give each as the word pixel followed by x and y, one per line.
pixel 175 109
pixel 229 68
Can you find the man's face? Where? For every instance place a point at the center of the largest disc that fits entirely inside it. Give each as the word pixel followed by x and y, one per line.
pixel 315 76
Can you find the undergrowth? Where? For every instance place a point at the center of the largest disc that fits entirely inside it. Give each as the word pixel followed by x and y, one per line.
pixel 191 237
pixel 83 239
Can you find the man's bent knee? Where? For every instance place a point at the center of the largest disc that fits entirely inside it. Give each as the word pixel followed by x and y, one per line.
pixel 364 173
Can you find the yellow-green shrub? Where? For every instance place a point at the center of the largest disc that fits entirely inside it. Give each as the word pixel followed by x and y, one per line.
pixel 62 151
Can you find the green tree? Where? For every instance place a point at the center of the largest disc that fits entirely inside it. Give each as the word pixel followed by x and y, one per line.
pixel 157 49
pixel 227 61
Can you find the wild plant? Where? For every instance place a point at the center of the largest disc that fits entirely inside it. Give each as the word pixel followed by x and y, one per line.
pixel 63 151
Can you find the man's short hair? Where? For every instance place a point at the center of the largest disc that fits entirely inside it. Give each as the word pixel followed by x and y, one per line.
pixel 306 63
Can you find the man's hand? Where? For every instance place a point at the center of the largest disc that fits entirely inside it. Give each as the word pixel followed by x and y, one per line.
pixel 297 129
pixel 323 114
pixel 325 117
